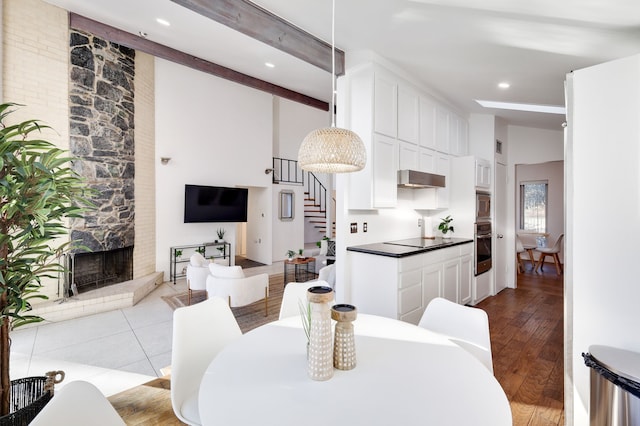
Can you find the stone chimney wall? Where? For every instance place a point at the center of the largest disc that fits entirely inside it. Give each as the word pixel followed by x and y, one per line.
pixel 101 102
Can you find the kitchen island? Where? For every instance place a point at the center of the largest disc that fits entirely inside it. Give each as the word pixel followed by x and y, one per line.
pixel 397 279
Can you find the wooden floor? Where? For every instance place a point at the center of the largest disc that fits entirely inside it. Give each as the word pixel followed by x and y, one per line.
pixel 527 346
pixel 526 338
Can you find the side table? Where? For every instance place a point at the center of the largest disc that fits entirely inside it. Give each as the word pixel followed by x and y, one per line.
pixel 300 269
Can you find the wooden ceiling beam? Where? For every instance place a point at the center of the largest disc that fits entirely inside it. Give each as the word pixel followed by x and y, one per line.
pixel 260 24
pixel 132 41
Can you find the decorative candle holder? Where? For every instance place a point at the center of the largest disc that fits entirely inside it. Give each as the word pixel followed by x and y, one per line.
pixel 344 347
pixel 320 358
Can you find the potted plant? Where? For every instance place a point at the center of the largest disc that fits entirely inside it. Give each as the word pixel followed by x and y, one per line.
pixel 446 227
pixel 290 254
pixel 39 192
pixel 220 232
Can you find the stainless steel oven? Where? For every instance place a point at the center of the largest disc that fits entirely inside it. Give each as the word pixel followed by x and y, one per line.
pixel 483 206
pixel 482 247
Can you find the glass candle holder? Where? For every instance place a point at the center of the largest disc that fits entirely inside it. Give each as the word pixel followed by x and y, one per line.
pixel 344 346
pixel 320 358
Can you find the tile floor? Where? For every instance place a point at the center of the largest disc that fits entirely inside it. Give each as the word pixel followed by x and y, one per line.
pixel 114 350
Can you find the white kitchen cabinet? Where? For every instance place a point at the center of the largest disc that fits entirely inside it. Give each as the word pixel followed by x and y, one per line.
pixel 483 174
pixel 385 102
pixel 427 123
pixel 451 279
pixel 408 114
pixel 427 160
pixel 385 171
pixel 466 277
pixel 458 135
pixel 408 156
pixel 402 288
pixel 443 168
pixel 442 129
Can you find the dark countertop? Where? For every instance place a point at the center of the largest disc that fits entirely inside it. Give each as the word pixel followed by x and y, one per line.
pixel 408 247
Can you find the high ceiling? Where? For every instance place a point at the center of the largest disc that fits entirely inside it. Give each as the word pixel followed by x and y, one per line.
pixel 461 49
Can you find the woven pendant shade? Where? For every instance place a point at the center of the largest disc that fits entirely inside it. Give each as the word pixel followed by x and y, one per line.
pixel 332 150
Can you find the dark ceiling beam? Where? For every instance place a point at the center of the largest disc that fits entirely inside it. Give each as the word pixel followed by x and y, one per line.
pixel 132 41
pixel 256 22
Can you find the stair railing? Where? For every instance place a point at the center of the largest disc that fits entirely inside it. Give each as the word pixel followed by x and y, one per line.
pixel 317 192
pixel 287 171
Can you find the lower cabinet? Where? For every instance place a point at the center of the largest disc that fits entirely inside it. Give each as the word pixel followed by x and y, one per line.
pixel 403 287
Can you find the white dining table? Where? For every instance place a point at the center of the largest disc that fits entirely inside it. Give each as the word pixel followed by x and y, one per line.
pixel 405 375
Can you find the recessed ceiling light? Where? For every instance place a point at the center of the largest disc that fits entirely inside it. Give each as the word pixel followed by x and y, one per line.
pixel 163 22
pixel 504 85
pixel 269 64
pixel 549 109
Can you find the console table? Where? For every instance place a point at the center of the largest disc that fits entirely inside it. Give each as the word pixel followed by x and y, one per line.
pixel 181 254
pixel 303 269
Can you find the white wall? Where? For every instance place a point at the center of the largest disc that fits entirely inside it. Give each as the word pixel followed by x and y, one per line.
pixel 217 133
pixel 603 182
pixel 525 145
pixel 294 122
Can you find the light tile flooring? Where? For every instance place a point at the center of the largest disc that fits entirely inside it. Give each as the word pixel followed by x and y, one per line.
pixel 114 350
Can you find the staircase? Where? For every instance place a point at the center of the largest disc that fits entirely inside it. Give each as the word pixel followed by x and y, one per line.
pixel 315 201
pixel 315 205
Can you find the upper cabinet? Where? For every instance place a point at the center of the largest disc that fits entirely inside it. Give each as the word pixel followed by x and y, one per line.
pixel 401 128
pixel 408 114
pixel 483 174
pixel 385 107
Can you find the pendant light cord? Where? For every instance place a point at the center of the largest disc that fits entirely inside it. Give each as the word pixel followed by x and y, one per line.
pixel 333 64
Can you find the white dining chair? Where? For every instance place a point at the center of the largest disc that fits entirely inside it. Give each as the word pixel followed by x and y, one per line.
pixel 199 333
pixel 78 403
pixel 465 326
pixel 294 294
pixel 197 273
pixel 553 252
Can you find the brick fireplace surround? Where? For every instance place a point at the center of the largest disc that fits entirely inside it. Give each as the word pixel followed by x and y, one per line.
pixel 109 129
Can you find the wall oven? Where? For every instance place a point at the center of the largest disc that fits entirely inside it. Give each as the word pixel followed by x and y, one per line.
pixel 482 247
pixel 483 206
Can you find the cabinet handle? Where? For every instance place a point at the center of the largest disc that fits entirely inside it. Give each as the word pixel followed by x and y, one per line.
pixel 500 236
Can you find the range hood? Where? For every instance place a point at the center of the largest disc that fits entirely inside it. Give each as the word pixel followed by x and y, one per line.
pixel 416 179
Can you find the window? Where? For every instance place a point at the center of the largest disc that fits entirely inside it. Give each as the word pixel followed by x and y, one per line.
pixel 533 206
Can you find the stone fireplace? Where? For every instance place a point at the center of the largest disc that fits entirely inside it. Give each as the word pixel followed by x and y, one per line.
pixel 101 99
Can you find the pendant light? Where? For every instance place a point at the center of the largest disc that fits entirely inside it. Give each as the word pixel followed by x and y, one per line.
pixel 332 149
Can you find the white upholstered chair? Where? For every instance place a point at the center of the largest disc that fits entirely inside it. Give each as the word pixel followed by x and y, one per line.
pixel 465 326
pixel 197 273
pixel 294 294
pixel 199 333
pixel 230 283
pixel 328 274
pixel 553 252
pixel 78 403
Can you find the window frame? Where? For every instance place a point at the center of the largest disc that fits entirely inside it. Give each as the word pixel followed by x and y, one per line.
pixel 522 185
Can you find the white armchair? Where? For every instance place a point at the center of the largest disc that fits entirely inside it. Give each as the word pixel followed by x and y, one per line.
pixel 197 273
pixel 230 283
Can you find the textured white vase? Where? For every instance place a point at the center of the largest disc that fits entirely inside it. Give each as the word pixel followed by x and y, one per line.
pixel 320 357
pixel 344 345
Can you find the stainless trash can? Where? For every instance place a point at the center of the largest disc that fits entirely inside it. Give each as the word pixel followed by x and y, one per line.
pixel 615 386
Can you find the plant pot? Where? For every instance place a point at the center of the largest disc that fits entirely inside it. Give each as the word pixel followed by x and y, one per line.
pixel 28 397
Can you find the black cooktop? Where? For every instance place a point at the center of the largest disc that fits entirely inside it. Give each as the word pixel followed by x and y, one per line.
pixel 426 242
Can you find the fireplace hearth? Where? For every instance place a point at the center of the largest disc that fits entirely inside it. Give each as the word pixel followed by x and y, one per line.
pixel 90 271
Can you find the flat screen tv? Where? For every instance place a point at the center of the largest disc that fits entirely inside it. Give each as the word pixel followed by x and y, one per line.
pixel 214 204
